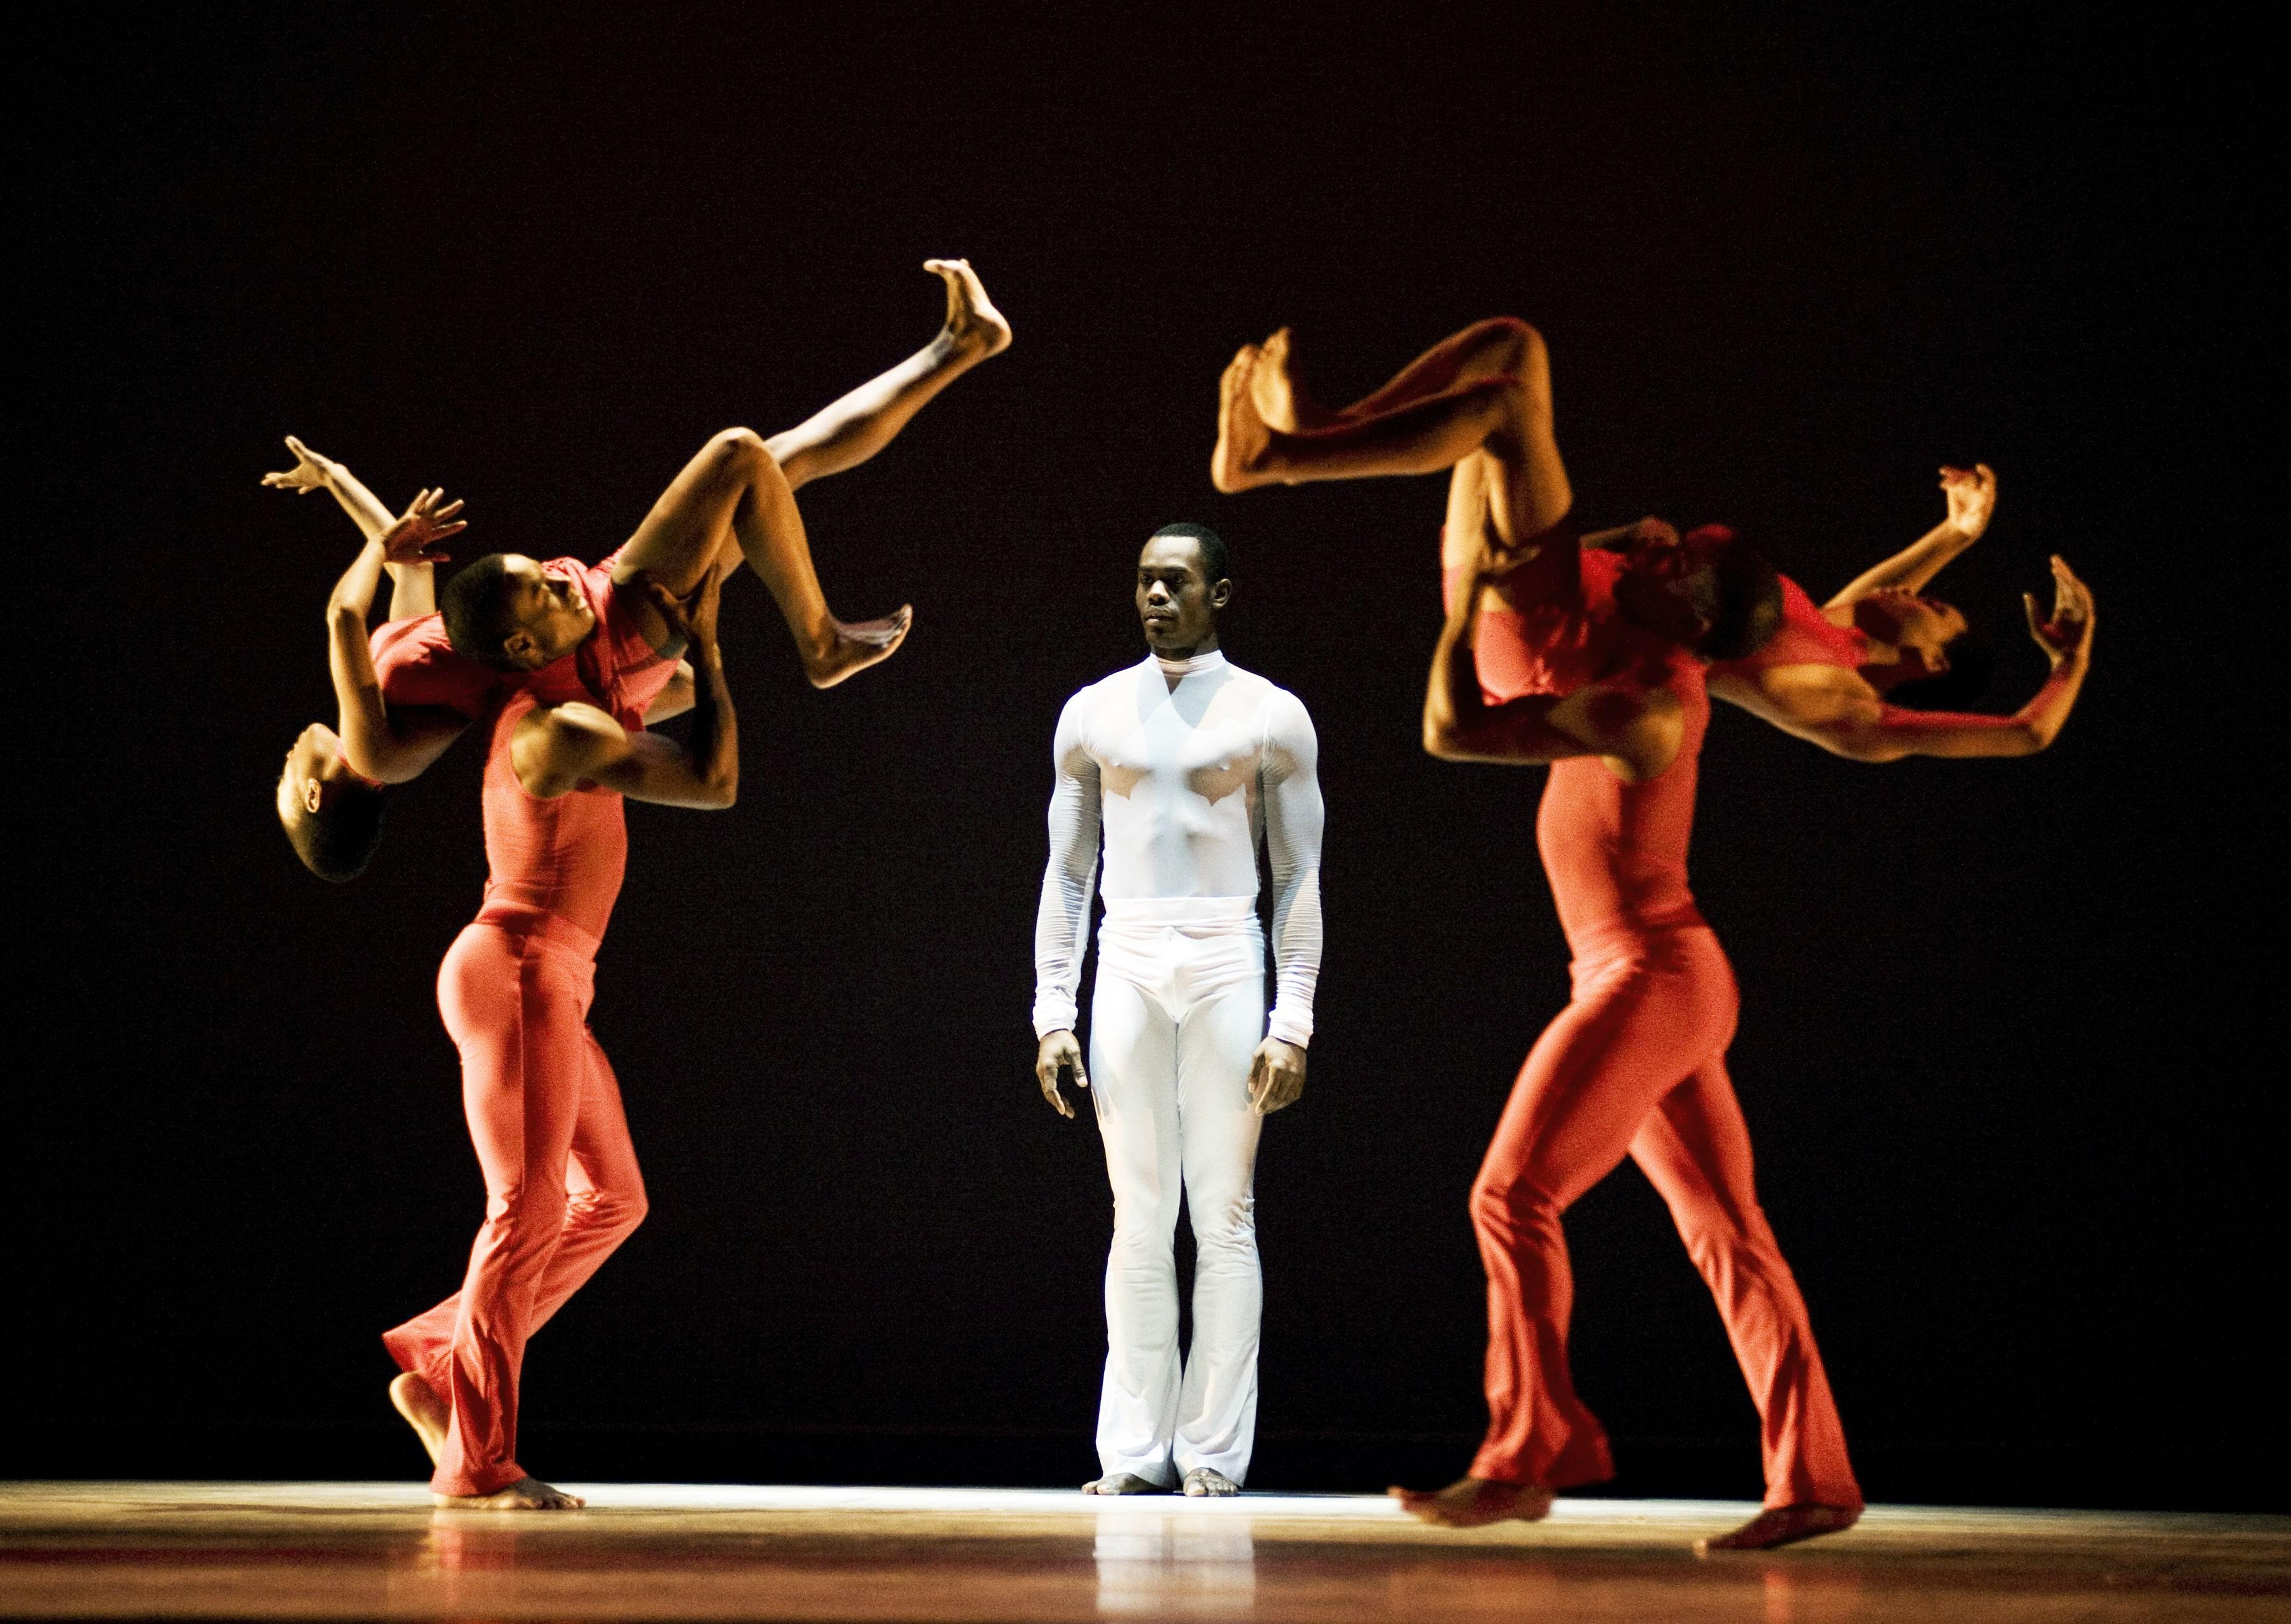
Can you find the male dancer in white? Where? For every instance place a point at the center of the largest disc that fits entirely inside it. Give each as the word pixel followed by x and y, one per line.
pixel 1185 761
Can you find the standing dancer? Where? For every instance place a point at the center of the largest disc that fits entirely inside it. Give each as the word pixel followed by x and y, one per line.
pixel 1183 760
pixel 1552 654
pixel 430 690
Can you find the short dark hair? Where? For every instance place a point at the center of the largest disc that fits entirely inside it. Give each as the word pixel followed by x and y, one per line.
pixel 1972 663
pixel 1217 563
pixel 1739 594
pixel 474 605
pixel 338 840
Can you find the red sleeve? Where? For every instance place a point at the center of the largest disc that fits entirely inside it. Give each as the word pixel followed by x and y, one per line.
pixel 417 666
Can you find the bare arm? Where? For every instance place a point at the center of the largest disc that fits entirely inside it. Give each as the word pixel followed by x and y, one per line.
pixel 387 747
pixel 558 748
pixel 412 585
pixel 1637 731
pixel 676 698
pixel 1971 495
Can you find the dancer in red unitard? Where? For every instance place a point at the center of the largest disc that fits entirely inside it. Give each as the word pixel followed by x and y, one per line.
pixel 1594 661
pixel 425 692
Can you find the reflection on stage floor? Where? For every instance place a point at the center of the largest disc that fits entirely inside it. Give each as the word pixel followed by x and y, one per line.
pixel 668 1551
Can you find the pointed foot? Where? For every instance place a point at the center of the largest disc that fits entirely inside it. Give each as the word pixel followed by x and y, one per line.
pixel 973 324
pixel 1243 440
pixel 853 646
pixel 418 1403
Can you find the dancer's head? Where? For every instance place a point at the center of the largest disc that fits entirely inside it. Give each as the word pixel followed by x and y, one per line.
pixel 1707 591
pixel 512 613
pixel 1938 663
pixel 331 815
pixel 1181 586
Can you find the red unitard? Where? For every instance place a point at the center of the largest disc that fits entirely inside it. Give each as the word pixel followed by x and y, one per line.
pixel 562 1188
pixel 1806 638
pixel 1634 1065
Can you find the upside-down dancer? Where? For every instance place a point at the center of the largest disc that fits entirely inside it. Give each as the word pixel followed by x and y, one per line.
pixel 526 623
pixel 1589 660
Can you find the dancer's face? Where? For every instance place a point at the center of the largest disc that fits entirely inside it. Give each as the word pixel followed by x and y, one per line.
pixel 548 613
pixel 1920 629
pixel 1176 602
pixel 315 770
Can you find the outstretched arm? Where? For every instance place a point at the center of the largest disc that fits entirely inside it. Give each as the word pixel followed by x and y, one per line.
pixel 1062 919
pixel 1971 495
pixel 386 747
pixel 558 748
pixel 1637 731
pixel 412 586
pixel 1294 816
pixel 1886 733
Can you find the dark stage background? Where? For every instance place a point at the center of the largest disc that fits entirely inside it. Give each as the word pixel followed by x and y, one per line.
pixel 2002 1045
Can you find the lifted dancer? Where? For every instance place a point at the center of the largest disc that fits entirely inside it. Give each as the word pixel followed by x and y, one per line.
pixel 1184 761
pixel 1589 675
pixel 426 683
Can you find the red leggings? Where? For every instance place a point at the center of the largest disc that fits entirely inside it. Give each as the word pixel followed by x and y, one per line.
pixel 562 1188
pixel 1635 1064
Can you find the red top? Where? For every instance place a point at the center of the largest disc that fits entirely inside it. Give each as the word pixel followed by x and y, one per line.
pixel 1615 853
pixel 1805 638
pixel 613 667
pixel 565 857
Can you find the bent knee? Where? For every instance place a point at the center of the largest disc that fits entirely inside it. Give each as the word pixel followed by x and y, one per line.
pixel 737 451
pixel 1522 343
pixel 1507 1203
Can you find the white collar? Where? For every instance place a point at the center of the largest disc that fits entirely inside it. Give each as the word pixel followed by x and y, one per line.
pixel 1213 660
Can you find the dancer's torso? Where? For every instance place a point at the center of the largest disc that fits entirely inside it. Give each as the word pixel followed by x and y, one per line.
pixel 1178 771
pixel 1806 638
pixel 564 856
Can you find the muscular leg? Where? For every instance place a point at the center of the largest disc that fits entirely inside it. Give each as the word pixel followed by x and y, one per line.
pixel 1503 421
pixel 1133 1067
pixel 1638 1024
pixel 1695 1149
pixel 849 430
pixel 1500 346
pixel 732 494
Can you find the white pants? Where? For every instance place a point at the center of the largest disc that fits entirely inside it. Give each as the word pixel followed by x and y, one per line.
pixel 1177 1013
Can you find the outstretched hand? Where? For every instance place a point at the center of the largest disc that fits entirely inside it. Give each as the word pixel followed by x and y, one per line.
pixel 1277 1077
pixel 692 619
pixel 1058 1052
pixel 1971 495
pixel 2068 634
pixel 414 538
pixel 310 472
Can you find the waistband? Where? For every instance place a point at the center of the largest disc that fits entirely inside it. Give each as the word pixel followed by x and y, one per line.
pixel 523 919
pixel 1181 910
pixel 1610 936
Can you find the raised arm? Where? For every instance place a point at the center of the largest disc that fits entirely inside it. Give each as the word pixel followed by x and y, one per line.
pixel 1062 920
pixel 1872 731
pixel 1972 495
pixel 412 586
pixel 1636 730
pixel 1290 784
pixel 558 748
pixel 389 748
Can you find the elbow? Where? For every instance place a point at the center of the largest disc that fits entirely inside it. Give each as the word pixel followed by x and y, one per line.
pixel 1442 740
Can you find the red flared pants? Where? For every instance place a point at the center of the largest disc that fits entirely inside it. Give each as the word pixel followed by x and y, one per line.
pixel 1635 1064
pixel 562 1188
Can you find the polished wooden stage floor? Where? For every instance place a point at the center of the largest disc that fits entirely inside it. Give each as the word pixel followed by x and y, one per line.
pixel 666 1551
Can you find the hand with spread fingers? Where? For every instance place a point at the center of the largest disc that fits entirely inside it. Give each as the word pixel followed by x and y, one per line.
pixel 1972 494
pixel 1277 1077
pixel 310 472
pixel 414 537
pixel 1059 1052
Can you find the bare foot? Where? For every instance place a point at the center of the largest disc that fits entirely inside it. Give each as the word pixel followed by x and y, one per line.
pixel 1781 1525
pixel 1277 396
pixel 526 1494
pixel 1241 436
pixel 424 1411
pixel 972 321
pixel 1208 1480
pixel 1473 1502
pixel 853 646
pixel 1122 1483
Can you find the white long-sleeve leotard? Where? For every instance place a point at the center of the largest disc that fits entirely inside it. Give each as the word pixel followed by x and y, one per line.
pixel 1183 764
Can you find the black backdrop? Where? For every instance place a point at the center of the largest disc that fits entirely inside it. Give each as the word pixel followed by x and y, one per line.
pixel 2001 1046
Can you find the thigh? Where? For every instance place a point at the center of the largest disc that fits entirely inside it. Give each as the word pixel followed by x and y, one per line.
pixel 1628 1037
pixel 1216 1042
pixel 1695 1149
pixel 1133 1086
pixel 690 525
pixel 604 1158
pixel 517 1021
